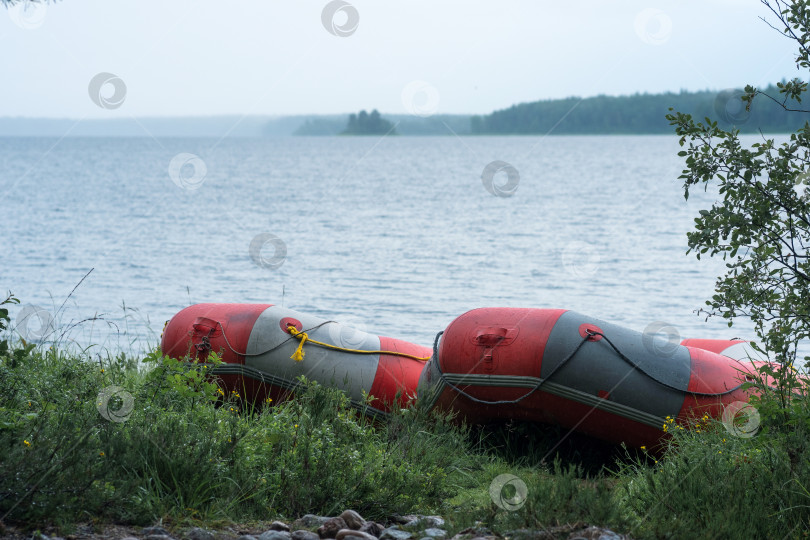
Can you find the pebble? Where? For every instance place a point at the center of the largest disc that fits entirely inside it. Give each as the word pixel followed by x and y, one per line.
pixel 146 531
pixel 198 533
pixel 373 528
pixel 595 533
pixel 395 533
pixel 417 522
pixel 275 535
pixel 434 532
pixel 529 534
pixel 304 535
pixel 279 526
pixel 475 533
pixel 436 522
pixel 350 534
pixel 331 527
pixel 309 521
pixel 353 519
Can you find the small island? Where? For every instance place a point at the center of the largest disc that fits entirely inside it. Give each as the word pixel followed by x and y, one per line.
pixel 364 123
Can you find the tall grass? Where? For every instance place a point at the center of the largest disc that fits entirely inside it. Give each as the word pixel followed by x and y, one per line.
pixel 173 445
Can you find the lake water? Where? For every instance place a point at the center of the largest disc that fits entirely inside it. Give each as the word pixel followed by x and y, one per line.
pixel 396 235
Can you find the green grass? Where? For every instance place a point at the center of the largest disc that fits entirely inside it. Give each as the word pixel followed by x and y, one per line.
pixel 174 448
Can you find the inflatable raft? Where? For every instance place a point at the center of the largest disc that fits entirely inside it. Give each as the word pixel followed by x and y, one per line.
pixel 545 365
pixel 266 348
pixel 736 349
pixel 560 367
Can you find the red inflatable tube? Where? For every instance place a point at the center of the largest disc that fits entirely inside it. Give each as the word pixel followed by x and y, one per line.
pixel 258 343
pixel 560 367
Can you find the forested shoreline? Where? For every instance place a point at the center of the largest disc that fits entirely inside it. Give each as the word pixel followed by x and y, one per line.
pixel 637 114
pixel 640 114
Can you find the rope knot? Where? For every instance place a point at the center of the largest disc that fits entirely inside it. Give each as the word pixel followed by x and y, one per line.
pixel 298 355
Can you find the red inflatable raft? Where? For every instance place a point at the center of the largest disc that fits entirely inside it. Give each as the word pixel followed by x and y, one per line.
pixel 266 348
pixel 564 368
pixel 736 349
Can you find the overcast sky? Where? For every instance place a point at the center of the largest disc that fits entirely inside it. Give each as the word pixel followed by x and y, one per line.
pixel 207 57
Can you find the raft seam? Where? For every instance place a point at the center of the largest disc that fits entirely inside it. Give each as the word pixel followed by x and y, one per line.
pixel 550 387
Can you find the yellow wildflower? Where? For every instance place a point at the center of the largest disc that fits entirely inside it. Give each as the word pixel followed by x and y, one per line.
pixel 25 441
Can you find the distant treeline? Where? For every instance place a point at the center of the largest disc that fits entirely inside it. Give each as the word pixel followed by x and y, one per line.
pixel 364 123
pixel 636 114
pixel 640 113
pixel 444 124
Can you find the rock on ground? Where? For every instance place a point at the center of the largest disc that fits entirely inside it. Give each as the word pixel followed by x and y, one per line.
pixel 417 522
pixel 275 535
pixel 158 531
pixel 308 521
pixel 373 528
pixel 198 533
pixel 350 534
pixel 475 533
pixel 596 533
pixel 279 526
pixel 304 535
pixel 395 533
pixel 331 527
pixel 353 519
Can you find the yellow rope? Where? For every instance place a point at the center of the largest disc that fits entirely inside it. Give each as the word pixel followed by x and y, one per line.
pixel 298 355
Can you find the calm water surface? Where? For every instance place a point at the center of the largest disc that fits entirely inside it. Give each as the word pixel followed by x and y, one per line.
pixel 397 236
